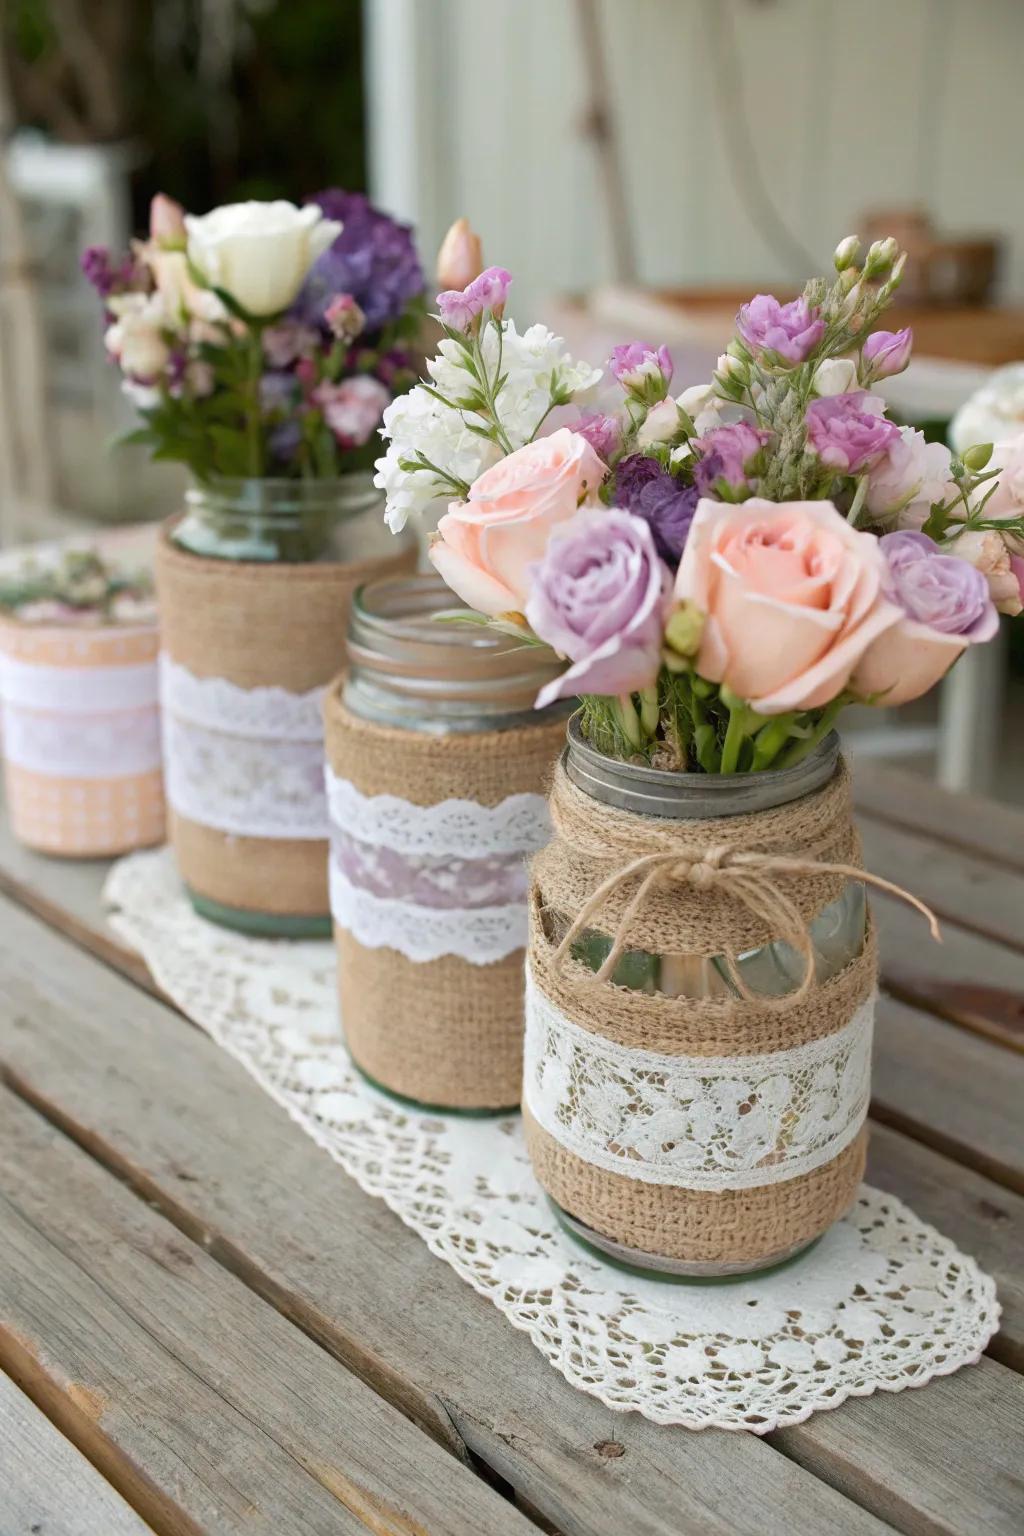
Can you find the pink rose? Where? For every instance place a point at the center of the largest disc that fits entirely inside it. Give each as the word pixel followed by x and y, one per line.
pixel 353 408
pixel 793 597
pixel 987 551
pixel 486 545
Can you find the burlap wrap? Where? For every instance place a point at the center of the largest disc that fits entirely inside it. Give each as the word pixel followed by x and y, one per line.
pixel 444 1032
pixel 258 625
pixel 592 841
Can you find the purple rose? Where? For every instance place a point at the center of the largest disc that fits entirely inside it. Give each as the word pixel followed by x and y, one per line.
pixel 460 309
pixel 724 454
pixel 792 331
pixel 887 352
pixel 936 588
pixel 599 597
pixel 603 433
pixel 647 490
pixel 848 432
pixel 642 371
pixel 374 259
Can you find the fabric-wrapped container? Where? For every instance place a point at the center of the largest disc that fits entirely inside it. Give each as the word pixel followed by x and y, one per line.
pixel 437 769
pixel 248 649
pixel 694 1094
pixel 81 737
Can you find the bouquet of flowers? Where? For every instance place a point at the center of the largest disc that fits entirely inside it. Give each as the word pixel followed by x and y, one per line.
pixel 725 571
pixel 80 589
pixel 262 339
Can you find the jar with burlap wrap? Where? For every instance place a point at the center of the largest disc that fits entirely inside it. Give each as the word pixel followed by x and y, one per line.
pixel 700 1000
pixel 254 586
pixel 437 771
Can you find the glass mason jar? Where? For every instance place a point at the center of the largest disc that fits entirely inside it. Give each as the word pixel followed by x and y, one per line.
pixel 437 769
pixel 838 933
pixel 285 521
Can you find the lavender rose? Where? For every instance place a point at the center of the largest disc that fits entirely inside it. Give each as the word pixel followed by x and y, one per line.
pixel 647 490
pixel 599 597
pixel 849 432
pixel 791 331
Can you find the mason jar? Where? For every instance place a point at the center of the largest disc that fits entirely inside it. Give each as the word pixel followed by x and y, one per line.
pixel 698 1111
pixel 254 584
pixel 437 773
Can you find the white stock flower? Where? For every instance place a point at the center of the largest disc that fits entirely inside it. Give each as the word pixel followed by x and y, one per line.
pixel 911 475
pixel 259 253
pixel 414 424
pixel 136 340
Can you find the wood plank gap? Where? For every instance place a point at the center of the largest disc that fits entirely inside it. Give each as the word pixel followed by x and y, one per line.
pixel 958 1151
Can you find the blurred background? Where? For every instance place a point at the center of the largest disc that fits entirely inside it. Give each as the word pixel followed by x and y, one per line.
pixel 640 168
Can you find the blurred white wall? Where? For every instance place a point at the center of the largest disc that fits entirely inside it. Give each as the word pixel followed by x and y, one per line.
pixel 476 107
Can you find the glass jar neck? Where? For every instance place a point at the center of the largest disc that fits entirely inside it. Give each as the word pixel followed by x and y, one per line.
pixel 272 520
pixel 415 663
pixel 692 796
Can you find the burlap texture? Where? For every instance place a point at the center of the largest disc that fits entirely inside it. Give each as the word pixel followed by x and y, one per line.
pixel 258 626
pixel 698 1226
pixel 485 766
pixel 444 1031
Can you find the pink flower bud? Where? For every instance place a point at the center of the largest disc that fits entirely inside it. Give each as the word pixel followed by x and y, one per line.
pixel 888 352
pixel 461 257
pixel 344 318
pixel 167 222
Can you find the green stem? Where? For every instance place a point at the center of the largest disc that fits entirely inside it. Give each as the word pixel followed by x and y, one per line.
pixel 770 740
pixel 801 749
pixel 649 711
pixel 734 736
pixel 253 422
pixel 629 721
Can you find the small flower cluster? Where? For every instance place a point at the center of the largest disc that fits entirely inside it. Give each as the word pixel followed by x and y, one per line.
pixel 82 590
pixel 725 570
pixel 263 339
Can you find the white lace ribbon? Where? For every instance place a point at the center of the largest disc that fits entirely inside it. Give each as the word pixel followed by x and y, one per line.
pixel 246 761
pixel 459 831
pixel 697 1122
pixel 80 722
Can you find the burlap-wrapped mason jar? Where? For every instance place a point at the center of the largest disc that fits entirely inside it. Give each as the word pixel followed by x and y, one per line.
pixel 699 1016
pixel 438 767
pixel 254 585
pixel 81 736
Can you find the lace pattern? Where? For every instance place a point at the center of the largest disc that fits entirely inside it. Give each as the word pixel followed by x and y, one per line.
pixel 882 1302
pixel 84 746
pixel 263 714
pixel 697 1122
pixel 519 824
pixel 481 935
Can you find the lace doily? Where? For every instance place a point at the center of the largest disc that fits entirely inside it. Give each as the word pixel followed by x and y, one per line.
pixel 705 1122
pixel 882 1302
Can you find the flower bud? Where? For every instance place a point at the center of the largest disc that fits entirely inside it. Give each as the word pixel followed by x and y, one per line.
pixel 684 629
pixel 977 456
pixel 345 320
pixel 881 255
pixel 660 425
pixel 167 223
pixel 887 353
pixel 835 376
pixel 846 253
pixel 460 258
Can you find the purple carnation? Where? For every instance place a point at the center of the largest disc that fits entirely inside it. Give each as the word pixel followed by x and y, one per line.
pixel 647 490
pixel 374 259
pixel 792 331
pixel 937 589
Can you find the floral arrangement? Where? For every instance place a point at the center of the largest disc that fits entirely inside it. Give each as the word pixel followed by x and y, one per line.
pixel 81 590
pixel 723 572
pixel 263 339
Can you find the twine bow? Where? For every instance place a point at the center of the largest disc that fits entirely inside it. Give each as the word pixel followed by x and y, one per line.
pixel 750 878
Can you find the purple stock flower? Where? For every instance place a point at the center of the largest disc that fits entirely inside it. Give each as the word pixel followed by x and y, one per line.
pixel 846 436
pixel 599 597
pixel 641 370
pixel 603 433
pixel 647 490
pixel 374 259
pixel 107 276
pixel 792 331
pixel 936 588
pixel 888 352
pixel 460 308
pixel 724 454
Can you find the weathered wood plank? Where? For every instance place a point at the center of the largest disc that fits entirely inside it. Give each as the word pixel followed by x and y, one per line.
pixel 48 1487
pixel 903 1455
pixel 204 1406
pixel 986 1220
pixel 944 1085
pixel 183 1124
pixel 977 825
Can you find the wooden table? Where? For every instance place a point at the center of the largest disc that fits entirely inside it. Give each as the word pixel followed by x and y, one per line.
pixel 206 1327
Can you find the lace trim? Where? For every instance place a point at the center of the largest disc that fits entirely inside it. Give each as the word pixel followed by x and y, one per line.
pixel 481 935
pixel 883 1301
pixel 520 824
pixel 77 690
pixel 707 1123
pixel 86 746
pixel 267 714
pixel 246 787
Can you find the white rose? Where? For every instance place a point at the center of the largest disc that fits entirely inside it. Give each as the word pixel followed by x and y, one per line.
pixel 660 425
pixel 835 376
pixel 259 253
pixel 912 474
pixel 993 412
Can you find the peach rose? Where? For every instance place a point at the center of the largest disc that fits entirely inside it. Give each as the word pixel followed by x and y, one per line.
pixel 988 552
pixel 485 546
pixel 793 598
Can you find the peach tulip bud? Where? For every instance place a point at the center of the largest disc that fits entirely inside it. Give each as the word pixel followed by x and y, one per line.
pixel 461 257
pixel 167 223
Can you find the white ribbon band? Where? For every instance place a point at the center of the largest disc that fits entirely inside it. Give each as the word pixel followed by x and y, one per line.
pixel 61 746
pixel 77 690
pixel 481 935
pixel 697 1122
